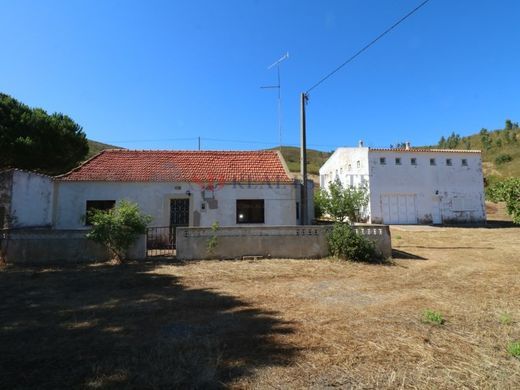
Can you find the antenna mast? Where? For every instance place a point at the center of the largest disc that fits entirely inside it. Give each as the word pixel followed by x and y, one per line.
pixel 279 87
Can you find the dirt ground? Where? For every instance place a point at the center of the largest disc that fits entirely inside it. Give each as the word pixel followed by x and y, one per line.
pixel 272 323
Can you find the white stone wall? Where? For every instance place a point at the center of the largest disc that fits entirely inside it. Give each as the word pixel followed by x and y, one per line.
pixel 454 193
pixel 350 165
pixel 31 200
pixel 427 194
pixel 154 199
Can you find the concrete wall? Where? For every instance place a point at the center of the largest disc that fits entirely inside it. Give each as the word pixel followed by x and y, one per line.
pixel 455 192
pixel 294 242
pixel 349 165
pixel 32 199
pixel 430 194
pixel 46 246
pixel 153 199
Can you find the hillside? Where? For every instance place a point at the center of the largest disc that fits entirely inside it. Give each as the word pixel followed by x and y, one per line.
pixel 95 147
pixel 316 158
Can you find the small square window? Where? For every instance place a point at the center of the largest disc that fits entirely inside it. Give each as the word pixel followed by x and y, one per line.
pixel 432 161
pixel 413 161
pixel 359 164
pixel 464 162
pixel 382 161
pixel 100 205
pixel 448 162
pixel 398 161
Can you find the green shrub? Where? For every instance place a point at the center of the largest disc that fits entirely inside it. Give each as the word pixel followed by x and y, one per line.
pixel 432 317
pixel 345 243
pixel 341 203
pixel 507 191
pixel 118 228
pixel 503 158
pixel 514 349
pixel 213 240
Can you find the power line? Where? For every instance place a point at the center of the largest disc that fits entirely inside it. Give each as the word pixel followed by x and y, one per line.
pixel 220 140
pixel 369 44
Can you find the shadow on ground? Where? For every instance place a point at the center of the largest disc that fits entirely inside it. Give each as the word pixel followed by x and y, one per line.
pixel 490 224
pixel 125 327
pixel 398 254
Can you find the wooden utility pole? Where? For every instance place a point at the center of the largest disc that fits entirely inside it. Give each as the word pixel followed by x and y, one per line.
pixel 303 162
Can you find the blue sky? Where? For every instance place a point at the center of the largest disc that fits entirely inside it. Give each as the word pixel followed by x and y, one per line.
pixel 149 74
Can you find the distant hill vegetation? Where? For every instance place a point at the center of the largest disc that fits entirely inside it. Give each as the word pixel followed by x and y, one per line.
pixel 316 159
pixel 500 149
pixel 95 147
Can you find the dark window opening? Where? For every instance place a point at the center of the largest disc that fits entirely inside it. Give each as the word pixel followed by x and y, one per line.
pixel 382 161
pixel 432 161
pixel 464 162
pixel 250 211
pixel 102 205
pixel 397 161
pixel 413 161
pixel 448 162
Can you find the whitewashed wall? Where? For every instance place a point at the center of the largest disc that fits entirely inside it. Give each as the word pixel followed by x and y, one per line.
pixel 439 194
pixel 456 191
pixel 154 199
pixel 350 165
pixel 31 200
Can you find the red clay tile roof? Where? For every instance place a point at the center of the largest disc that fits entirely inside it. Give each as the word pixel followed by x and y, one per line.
pixel 123 165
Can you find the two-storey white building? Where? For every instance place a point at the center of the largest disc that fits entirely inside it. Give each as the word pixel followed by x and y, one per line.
pixel 413 186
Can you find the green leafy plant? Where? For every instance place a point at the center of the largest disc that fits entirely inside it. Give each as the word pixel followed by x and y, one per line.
pixel 118 228
pixel 342 203
pixel 507 191
pixel 213 240
pixel 503 158
pixel 505 319
pixel 345 243
pixel 514 349
pixel 432 317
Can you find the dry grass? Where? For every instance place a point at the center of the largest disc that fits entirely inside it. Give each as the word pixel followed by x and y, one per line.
pixel 273 323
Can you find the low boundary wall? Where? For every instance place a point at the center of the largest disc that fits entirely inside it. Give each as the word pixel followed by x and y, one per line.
pixel 48 246
pixel 295 242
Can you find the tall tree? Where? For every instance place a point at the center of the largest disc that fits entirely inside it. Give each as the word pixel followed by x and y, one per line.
pixel 32 139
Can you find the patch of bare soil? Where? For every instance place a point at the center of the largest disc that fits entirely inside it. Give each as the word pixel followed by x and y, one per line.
pixel 272 323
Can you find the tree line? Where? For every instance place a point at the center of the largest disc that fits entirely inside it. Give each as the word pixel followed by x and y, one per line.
pixel 32 139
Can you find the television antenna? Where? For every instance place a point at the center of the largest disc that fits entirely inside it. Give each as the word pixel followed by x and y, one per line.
pixel 279 88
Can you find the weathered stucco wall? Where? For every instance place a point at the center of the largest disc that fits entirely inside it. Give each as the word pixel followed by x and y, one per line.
pixel 413 193
pixel 294 242
pixel 31 199
pixel 46 246
pixel 442 193
pixel 153 199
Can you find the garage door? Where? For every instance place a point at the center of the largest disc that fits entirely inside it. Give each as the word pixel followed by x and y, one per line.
pixel 398 208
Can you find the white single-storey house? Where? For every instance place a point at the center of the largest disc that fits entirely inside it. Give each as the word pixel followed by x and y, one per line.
pixel 176 188
pixel 412 186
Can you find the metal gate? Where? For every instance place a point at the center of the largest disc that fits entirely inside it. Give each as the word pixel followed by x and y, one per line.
pixel 160 240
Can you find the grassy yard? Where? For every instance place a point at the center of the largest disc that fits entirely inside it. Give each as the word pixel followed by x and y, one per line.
pixel 272 323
